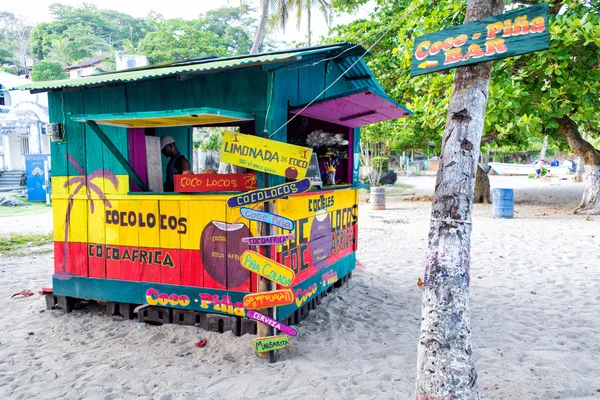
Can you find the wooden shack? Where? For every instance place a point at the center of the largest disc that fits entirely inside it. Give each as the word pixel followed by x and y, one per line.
pixel 116 240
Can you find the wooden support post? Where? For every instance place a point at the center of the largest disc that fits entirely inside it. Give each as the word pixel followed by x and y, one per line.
pixel 265 285
pixel 115 152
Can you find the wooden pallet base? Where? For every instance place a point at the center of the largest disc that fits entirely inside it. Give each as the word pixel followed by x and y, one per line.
pixel 209 322
pixel 124 310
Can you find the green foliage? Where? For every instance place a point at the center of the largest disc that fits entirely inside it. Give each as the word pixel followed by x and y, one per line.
pixel 47 71
pixel 381 163
pixel 87 30
pixel 209 139
pixel 6 57
pixel 527 92
pixel 14 36
pixel 220 32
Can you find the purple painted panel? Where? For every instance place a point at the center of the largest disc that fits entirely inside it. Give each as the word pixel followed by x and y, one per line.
pixel 351 156
pixel 137 155
pixel 354 110
pixel 271 322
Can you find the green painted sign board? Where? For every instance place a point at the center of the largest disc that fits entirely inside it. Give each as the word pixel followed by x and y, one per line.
pixel 501 36
pixel 270 343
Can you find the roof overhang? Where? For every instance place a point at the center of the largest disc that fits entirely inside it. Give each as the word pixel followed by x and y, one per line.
pixel 162 119
pixel 354 109
pixel 196 66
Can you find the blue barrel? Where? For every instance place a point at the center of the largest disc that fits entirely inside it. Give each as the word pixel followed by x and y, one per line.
pixel 503 203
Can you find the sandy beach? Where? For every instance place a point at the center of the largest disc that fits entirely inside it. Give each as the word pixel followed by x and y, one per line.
pixel 535 301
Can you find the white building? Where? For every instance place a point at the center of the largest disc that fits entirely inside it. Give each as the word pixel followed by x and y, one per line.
pixel 23 117
pixel 127 61
pixel 101 63
pixel 87 67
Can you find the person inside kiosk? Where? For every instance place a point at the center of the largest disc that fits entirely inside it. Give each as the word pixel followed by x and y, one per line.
pixel 178 164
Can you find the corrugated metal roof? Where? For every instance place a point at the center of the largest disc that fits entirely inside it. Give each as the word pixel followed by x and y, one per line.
pixel 181 68
pixel 359 70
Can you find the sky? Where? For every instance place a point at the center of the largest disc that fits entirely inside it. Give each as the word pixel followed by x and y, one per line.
pixel 37 11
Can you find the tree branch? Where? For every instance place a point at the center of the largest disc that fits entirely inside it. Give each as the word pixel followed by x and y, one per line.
pixel 578 144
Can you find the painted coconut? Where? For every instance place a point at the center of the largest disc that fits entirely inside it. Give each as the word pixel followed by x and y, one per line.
pixel 221 247
pixel 320 239
pixel 291 173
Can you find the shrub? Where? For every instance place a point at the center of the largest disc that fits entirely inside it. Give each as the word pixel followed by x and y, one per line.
pixel 381 163
pixel 47 71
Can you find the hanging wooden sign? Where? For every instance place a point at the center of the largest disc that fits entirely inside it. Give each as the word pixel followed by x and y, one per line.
pixel 255 315
pixel 274 298
pixel 191 183
pixel 275 192
pixel 501 36
pixel 270 343
pixel 265 155
pixel 268 240
pixel 266 217
pixel 267 268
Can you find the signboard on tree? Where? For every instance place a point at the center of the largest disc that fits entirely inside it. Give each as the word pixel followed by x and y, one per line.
pixel 506 35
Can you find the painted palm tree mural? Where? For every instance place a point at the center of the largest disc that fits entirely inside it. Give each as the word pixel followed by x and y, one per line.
pixel 80 182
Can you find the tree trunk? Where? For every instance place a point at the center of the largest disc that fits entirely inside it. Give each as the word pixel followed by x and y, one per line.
pixel 580 164
pixel 482 187
pixel 540 165
pixel 308 18
pixel 590 203
pixel 262 23
pixel 445 368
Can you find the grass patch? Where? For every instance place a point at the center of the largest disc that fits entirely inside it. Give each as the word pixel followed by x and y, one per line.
pixel 29 209
pixel 17 244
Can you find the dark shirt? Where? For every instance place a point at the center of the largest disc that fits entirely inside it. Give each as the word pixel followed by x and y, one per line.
pixel 172 169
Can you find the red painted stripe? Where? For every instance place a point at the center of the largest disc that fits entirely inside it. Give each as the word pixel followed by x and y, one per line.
pixel 192 270
pixel 76 258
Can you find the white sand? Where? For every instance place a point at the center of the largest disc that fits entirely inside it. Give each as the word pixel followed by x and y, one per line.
pixel 361 343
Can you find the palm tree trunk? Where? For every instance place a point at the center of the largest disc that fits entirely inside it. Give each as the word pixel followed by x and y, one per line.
pixel 260 33
pixel 308 17
pixel 445 367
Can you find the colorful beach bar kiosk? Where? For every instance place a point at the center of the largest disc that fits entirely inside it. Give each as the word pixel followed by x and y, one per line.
pixel 120 238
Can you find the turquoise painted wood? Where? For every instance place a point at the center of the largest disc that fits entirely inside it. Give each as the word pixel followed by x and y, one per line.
pixel 341 268
pixel 55 114
pixel 75 134
pixel 135 97
pixel 97 289
pixel 154 96
pixel 94 149
pixel 244 90
pixel 341 86
pixel 311 82
pixel 118 155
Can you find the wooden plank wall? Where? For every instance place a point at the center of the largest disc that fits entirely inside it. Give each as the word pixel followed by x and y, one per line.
pixel 310 82
pixel 89 232
pixel 89 185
